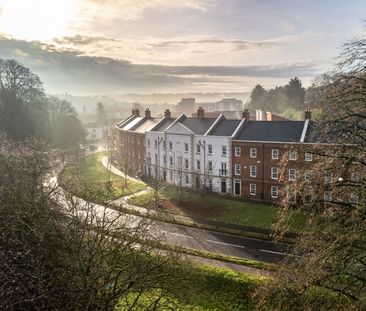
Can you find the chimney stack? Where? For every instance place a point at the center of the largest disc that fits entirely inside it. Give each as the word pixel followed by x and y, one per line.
pixel 307 114
pixel 167 114
pixel 136 112
pixel 200 113
pixel 147 113
pixel 246 114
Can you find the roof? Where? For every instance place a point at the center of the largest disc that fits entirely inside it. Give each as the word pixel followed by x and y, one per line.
pixel 130 124
pixel 163 125
pixel 225 128
pixel 279 131
pixel 198 126
pixel 145 125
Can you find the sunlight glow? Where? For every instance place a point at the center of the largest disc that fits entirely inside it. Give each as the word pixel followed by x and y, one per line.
pixel 36 19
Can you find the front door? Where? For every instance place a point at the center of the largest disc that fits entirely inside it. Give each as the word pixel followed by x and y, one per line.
pixel 237 186
pixel 198 182
pixel 223 186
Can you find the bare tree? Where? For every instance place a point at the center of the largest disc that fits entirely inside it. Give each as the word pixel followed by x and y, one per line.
pixel 327 269
pixel 61 253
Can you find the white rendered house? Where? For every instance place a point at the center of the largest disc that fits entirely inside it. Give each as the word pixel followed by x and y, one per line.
pixel 192 152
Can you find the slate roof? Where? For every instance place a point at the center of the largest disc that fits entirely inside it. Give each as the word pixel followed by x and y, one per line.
pixel 279 131
pixel 163 125
pixel 145 125
pixel 225 128
pixel 126 120
pixel 131 123
pixel 198 126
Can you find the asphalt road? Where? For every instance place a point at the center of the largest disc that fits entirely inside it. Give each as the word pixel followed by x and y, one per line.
pixel 220 243
pixel 200 239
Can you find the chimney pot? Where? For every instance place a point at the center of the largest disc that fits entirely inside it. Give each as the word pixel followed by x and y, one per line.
pixel 246 114
pixel 167 114
pixel 200 113
pixel 307 114
pixel 136 112
pixel 147 113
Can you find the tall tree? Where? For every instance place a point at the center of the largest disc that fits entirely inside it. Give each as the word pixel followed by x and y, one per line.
pixel 295 94
pixel 258 97
pixel 66 129
pixel 327 269
pixel 22 106
pixel 101 114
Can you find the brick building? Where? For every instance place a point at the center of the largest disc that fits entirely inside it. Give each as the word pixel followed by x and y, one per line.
pixel 257 149
pixel 130 141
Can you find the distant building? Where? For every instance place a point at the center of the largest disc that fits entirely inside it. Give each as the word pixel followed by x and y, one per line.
pixel 186 105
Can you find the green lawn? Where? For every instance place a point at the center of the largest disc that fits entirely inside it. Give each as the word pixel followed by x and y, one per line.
pixel 88 178
pixel 217 208
pixel 209 289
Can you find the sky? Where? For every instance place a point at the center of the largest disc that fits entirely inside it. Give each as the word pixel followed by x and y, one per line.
pixel 86 47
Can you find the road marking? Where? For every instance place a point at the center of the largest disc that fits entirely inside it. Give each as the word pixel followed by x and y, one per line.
pixel 178 234
pixel 227 244
pixel 272 252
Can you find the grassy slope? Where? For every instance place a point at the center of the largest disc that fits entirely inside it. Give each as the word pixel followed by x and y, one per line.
pixel 89 175
pixel 218 209
pixel 211 289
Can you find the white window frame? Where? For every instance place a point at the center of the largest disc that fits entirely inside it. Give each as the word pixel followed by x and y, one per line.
pixel 237 151
pixel 224 151
pixel 292 174
pixel 354 199
pixel 187 179
pixel 253 189
pixel 209 149
pixel 328 177
pixel 237 169
pixel 307 176
pixel 292 155
pixel 309 157
pixel 209 166
pixel 274 192
pixel 275 154
pixel 198 165
pixel 198 148
pixel 170 145
pixel 253 153
pixel 327 196
pixel 186 147
pixel 251 172
pixel 186 164
pixel 274 173
pixel 155 144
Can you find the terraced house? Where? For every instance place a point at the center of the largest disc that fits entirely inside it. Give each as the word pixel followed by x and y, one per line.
pixel 130 141
pixel 236 157
pixel 258 147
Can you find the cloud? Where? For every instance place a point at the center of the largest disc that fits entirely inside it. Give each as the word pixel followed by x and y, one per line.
pixel 79 40
pixel 65 70
pixel 132 9
pixel 235 44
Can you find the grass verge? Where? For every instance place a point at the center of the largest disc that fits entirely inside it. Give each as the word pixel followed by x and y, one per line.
pixel 216 208
pixel 209 289
pixel 89 179
pixel 224 258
